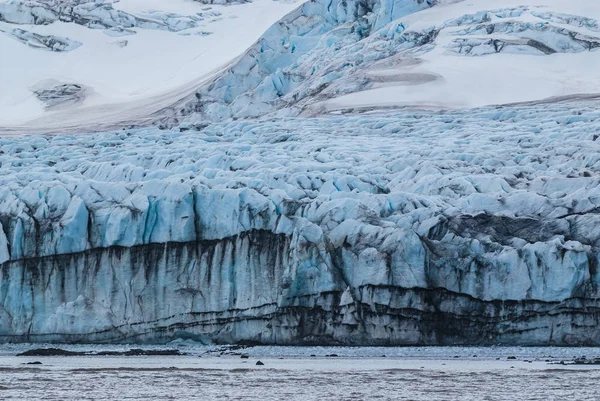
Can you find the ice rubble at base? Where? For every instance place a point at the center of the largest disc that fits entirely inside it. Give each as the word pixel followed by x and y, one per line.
pixel 418 227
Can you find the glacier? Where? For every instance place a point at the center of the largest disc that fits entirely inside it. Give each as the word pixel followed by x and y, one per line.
pixel 368 172
pixel 476 226
pixel 92 14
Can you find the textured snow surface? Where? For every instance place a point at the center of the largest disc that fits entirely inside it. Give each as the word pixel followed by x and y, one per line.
pixel 252 60
pixel 341 55
pixel 171 47
pixel 52 43
pixel 477 226
pixel 445 374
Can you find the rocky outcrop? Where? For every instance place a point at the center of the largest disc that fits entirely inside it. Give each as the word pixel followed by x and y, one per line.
pixel 92 14
pixel 43 42
pixel 54 93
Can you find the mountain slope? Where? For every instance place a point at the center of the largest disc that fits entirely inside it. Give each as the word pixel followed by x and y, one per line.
pixel 451 55
pixel 323 57
pixel 131 54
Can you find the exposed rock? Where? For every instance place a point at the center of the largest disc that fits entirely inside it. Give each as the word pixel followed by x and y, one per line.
pixel 119 31
pixel 54 94
pixel 122 43
pixel 43 42
pixel 131 352
pixel 50 352
pixel 94 15
pixel 584 361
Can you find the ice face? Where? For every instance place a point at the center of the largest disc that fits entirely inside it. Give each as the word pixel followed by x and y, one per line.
pixel 476 226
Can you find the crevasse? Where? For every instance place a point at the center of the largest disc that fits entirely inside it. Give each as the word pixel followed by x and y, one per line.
pixel 462 227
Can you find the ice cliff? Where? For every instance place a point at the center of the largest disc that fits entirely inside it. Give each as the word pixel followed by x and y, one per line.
pixel 318 44
pixel 463 227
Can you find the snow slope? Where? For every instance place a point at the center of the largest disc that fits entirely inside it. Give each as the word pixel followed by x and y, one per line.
pixel 121 69
pixel 407 53
pixel 324 57
pixel 510 76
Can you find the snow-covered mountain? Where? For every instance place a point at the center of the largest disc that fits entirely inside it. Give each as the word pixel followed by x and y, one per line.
pixel 345 177
pixel 120 54
pixel 360 55
pixel 134 62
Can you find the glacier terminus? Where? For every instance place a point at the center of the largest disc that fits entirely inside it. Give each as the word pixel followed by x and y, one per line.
pixel 361 172
pixel 414 228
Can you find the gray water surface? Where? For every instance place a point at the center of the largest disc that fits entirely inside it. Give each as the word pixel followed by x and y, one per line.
pixel 291 373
